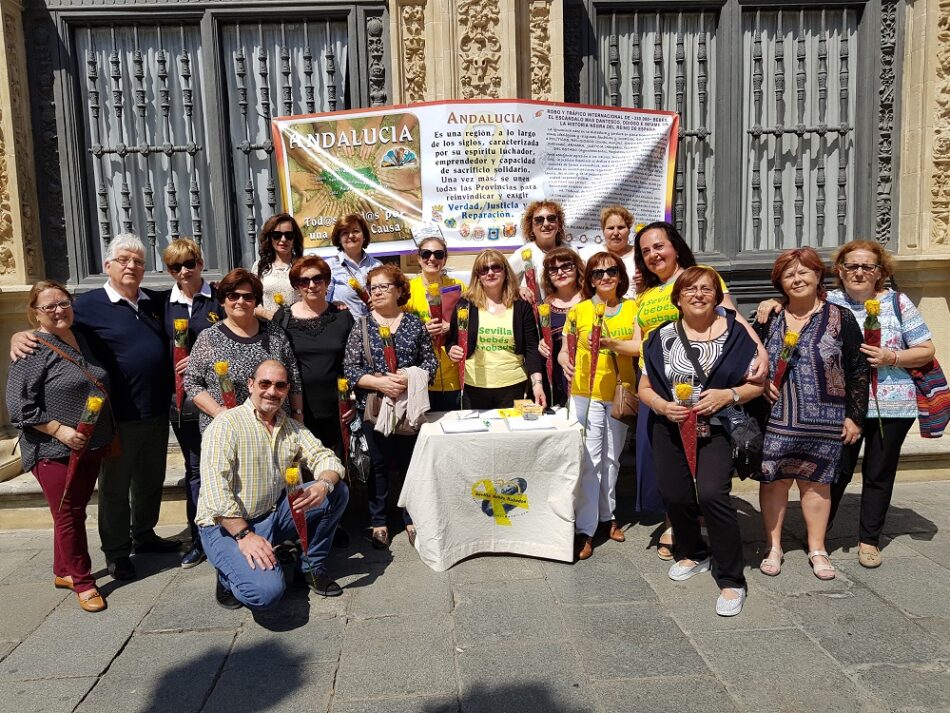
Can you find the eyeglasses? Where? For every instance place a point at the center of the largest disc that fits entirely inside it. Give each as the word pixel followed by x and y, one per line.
pixel 855 266
pixel 697 290
pixel 601 273
pixel 539 219
pixel 136 261
pixel 482 271
pixel 381 287
pixel 53 306
pixel 567 268
pixel 278 235
pixel 189 264
pixel 437 254
pixel 265 384
pixel 305 281
pixel 242 296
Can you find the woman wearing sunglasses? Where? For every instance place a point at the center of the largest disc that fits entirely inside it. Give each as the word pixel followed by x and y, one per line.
pixel 280 243
pixel 317 330
pixel 444 391
pixel 243 341
pixel 194 300
pixel 592 394
pixel 502 354
pixel 542 227
pixel 562 279
pixel 350 237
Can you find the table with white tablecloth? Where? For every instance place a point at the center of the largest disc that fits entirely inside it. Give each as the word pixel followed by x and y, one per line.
pixel 501 490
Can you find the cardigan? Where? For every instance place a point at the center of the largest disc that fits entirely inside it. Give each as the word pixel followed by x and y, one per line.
pixel 525 328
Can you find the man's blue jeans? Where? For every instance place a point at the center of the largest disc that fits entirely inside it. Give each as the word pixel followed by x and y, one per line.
pixel 262 588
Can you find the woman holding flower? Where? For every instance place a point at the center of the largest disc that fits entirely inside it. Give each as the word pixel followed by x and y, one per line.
pixel 235 346
pixel 500 352
pixel 605 351
pixel 817 409
pixel 351 265
pixel 381 350
pixel 542 227
pixel 424 289
pixel 695 367
pixel 48 393
pixel 563 280
pixel 280 243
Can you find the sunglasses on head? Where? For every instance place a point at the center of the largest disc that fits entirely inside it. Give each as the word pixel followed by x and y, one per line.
pixel 265 384
pixel 305 281
pixel 189 264
pixel 600 273
pixel 278 235
pixel 482 271
pixel 437 254
pixel 539 219
pixel 243 296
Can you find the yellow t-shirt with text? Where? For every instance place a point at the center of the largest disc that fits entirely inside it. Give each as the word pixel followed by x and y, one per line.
pixel 617 326
pixel 494 363
pixel 447 375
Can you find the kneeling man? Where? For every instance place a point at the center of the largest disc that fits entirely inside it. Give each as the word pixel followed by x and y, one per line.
pixel 243 508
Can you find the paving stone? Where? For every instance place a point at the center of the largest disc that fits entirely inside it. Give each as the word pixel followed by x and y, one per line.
pixel 914 585
pixel 630 641
pixel 51 696
pixel 692 604
pixel 403 589
pixel 916 517
pixel 397 656
pixel 436 704
pixel 494 568
pixel 295 689
pixel 665 694
pixel 317 642
pixel 189 603
pixel 6 647
pixel 30 540
pixel 34 602
pixel 908 689
pixel 153 577
pixel 523 677
pixel 181 669
pixel 72 642
pixel 501 611
pixel 605 577
pixel 797 578
pixel 778 670
pixel 862 629
pixel 36 568
pixel 13 560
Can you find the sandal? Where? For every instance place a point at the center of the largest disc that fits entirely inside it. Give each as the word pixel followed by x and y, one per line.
pixel 824 572
pixel 380 538
pixel 870 558
pixel 664 550
pixel 772 566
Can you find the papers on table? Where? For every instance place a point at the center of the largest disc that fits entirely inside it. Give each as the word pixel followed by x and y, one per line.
pixel 544 423
pixel 467 425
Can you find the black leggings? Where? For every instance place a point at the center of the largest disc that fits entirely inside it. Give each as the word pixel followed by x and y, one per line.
pixel 502 397
pixel 708 496
pixel 878 471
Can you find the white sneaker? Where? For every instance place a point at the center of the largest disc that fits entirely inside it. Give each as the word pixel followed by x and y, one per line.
pixel 679 572
pixel 730 607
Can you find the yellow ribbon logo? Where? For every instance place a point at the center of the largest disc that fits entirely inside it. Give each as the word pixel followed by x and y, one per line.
pixel 485 490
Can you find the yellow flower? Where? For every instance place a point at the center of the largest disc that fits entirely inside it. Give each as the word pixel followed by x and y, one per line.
pixel 292 475
pixel 683 392
pixel 638 227
pixel 526 254
pixel 181 325
pixel 600 309
pixel 354 283
pixel 791 339
pixel 463 314
pixel 384 332
pixel 342 385
pixel 572 315
pixel 433 289
pixel 873 307
pixel 544 310
pixel 94 404
pixel 278 299
pixel 221 368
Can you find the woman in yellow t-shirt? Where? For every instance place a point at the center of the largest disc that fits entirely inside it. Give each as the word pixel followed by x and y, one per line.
pixel 604 281
pixel 444 391
pixel 502 345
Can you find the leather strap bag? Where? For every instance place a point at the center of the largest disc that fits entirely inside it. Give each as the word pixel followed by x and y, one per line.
pixel 625 404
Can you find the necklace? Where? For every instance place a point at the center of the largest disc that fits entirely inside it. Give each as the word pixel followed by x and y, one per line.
pixel 390 323
pixel 809 313
pixel 698 336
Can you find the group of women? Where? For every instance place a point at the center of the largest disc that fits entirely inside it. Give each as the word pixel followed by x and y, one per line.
pixel 666 323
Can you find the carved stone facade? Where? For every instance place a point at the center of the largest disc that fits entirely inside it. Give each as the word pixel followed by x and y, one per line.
pixel 414 53
pixel 539 14
pixel 480 49
pixel 940 186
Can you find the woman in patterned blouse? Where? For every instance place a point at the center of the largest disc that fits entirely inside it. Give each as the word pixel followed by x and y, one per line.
pixel 243 341
pixel 389 290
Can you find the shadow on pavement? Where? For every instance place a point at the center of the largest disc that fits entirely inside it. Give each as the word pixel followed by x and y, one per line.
pixel 530 697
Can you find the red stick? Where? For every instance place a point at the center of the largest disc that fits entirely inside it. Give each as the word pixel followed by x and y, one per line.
pixel 300 518
pixel 434 298
pixel 179 352
pixel 688 435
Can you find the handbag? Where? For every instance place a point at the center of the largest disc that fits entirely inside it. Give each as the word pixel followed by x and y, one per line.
pixel 625 403
pixel 359 465
pixel 933 394
pixel 742 428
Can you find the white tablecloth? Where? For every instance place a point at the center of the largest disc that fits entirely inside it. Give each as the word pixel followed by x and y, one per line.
pixel 497 491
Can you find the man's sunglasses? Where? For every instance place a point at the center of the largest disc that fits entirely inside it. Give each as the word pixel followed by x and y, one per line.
pixel 265 384
pixel 189 264
pixel 437 254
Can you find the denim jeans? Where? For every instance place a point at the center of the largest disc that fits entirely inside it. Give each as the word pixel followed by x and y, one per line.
pixel 263 588
pixel 188 434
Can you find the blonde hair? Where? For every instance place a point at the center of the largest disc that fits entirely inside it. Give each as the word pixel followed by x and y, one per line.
pixel 35 294
pixel 617 210
pixel 476 293
pixel 181 249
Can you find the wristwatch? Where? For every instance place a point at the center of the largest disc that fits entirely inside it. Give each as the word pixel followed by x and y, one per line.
pixel 242 534
pixel 735 397
pixel 327 483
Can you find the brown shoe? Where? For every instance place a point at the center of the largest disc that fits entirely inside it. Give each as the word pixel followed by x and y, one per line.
pixel 91 600
pixel 63 582
pixel 584 546
pixel 616 534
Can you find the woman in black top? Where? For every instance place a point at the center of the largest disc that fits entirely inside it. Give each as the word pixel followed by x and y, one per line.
pixel 46 396
pixel 318 331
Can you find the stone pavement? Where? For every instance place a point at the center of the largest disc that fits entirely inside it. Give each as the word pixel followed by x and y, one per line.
pixel 611 634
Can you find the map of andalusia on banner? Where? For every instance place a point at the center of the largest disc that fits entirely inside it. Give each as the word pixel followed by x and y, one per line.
pixel 470 168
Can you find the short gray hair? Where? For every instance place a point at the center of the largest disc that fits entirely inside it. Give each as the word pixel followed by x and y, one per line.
pixel 125 241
